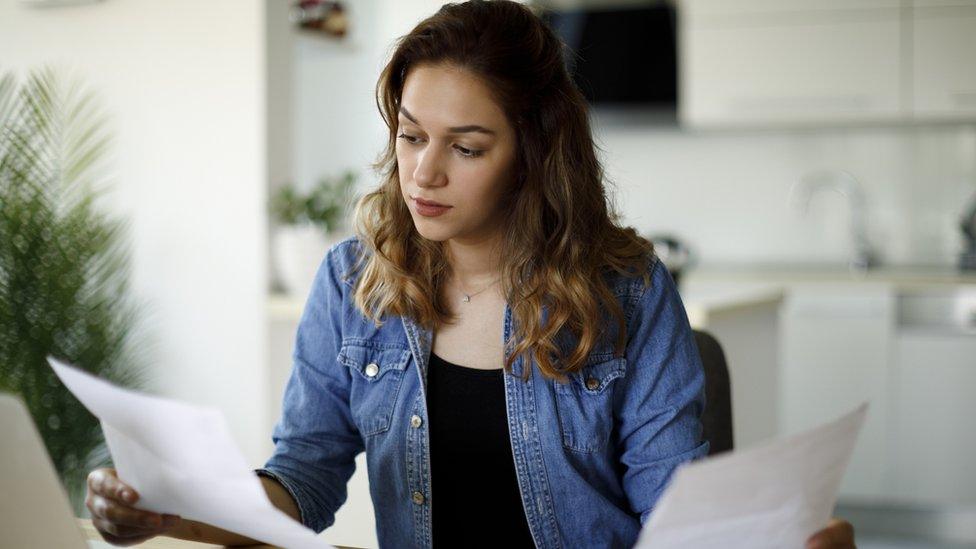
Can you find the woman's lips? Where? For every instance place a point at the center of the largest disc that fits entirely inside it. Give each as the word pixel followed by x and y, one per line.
pixel 429 202
pixel 429 209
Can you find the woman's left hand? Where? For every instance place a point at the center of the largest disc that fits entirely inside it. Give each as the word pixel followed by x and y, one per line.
pixel 838 534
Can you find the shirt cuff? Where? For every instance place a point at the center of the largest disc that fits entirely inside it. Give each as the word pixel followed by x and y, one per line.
pixel 293 490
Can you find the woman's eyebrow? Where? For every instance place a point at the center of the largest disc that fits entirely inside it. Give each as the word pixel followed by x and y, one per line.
pixel 455 129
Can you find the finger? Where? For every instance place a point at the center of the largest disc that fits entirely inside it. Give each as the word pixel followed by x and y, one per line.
pixel 105 482
pixel 95 480
pixel 122 515
pixel 125 532
pixel 837 533
pixel 123 542
pixel 841 531
pixel 119 531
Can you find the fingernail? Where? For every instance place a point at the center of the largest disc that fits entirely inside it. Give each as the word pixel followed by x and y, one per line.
pixel 128 495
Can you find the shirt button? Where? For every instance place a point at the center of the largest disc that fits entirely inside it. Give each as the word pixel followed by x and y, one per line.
pixel 372 369
pixel 418 498
pixel 415 421
pixel 592 383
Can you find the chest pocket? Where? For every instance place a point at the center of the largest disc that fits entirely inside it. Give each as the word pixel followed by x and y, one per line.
pixel 585 403
pixel 377 373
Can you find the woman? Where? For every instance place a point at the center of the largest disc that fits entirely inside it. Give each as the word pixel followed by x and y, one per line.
pixel 492 339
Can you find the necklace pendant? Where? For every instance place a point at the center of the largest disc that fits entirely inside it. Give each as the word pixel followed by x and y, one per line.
pixel 467 298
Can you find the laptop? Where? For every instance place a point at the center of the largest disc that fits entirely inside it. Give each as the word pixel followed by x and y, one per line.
pixel 34 507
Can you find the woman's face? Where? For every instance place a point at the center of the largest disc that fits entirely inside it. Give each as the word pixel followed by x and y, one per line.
pixel 454 147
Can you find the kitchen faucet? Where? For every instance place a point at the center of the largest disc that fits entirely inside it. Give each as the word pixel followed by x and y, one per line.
pixel 847 186
pixel 967 259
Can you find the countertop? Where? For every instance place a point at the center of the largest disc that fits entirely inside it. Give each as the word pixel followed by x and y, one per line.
pixel 903 276
pixel 704 299
pixel 716 288
pixel 701 299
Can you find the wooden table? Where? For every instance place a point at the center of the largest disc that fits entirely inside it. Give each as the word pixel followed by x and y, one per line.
pixel 163 542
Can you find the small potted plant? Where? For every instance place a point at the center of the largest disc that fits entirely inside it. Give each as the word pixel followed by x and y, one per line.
pixel 307 224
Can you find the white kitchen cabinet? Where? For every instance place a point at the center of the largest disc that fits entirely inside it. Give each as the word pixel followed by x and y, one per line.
pixel 933 439
pixel 933 379
pixel 753 62
pixel 835 348
pixel 943 68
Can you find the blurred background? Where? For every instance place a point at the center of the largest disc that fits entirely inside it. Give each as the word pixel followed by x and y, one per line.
pixel 807 169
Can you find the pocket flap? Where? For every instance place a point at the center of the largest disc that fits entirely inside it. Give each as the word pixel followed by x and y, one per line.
pixel 371 359
pixel 599 371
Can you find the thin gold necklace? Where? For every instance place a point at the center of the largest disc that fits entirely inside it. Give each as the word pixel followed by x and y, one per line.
pixel 467 296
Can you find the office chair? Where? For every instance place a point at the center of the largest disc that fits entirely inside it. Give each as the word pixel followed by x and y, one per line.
pixel 717 416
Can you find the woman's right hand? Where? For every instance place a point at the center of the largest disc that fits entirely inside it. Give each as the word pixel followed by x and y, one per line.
pixel 110 501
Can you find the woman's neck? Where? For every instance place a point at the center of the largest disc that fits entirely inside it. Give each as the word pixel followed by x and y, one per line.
pixel 475 262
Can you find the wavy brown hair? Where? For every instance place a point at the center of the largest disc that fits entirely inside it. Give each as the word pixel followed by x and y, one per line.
pixel 561 235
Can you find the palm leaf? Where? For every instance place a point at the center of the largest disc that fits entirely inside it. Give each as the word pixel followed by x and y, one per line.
pixel 64 265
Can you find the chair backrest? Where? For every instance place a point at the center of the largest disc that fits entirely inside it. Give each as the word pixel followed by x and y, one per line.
pixel 717 416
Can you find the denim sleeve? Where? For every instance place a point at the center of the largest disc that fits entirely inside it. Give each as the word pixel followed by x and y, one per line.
pixel 660 404
pixel 316 441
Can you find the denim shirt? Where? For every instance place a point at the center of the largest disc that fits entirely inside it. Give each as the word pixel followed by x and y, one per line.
pixel 592 456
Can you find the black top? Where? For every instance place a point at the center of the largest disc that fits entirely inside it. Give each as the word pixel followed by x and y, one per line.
pixel 475 500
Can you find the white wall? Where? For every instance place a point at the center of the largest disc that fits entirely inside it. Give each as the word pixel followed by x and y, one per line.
pixel 727 192
pixel 184 84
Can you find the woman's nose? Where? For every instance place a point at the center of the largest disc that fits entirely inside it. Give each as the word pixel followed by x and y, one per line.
pixel 429 171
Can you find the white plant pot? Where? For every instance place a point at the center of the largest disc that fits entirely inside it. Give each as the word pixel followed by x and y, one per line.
pixel 298 251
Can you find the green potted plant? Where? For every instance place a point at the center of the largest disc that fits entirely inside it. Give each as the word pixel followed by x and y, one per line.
pixel 63 268
pixel 306 225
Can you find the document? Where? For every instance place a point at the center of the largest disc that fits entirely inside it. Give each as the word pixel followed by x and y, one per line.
pixel 182 460
pixel 775 495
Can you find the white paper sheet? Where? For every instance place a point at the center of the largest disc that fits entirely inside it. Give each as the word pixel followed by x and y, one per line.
pixel 182 460
pixel 775 495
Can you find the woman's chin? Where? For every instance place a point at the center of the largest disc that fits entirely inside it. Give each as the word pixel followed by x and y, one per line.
pixel 437 234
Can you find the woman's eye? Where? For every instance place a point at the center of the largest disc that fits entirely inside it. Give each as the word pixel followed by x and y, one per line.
pixel 468 153
pixel 463 151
